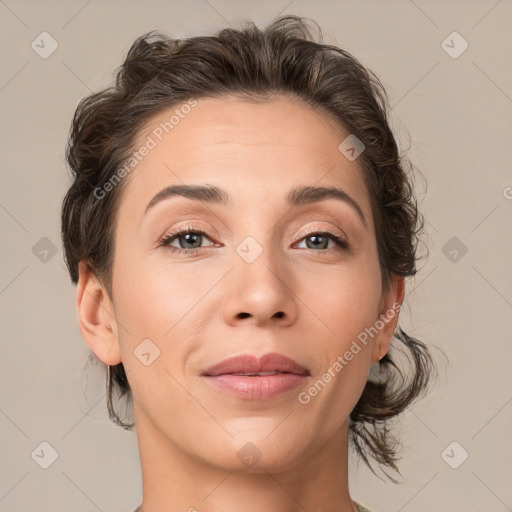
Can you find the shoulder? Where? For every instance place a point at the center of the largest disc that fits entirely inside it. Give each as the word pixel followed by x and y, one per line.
pixel 358 505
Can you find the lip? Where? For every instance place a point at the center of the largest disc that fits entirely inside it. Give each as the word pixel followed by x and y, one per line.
pixel 291 375
pixel 247 363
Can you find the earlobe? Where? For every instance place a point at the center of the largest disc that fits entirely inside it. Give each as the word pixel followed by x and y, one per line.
pixel 96 316
pixel 391 303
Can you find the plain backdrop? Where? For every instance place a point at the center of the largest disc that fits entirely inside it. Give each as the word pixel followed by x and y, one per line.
pixel 451 97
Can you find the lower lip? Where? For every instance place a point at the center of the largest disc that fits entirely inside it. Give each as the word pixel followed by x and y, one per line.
pixel 256 388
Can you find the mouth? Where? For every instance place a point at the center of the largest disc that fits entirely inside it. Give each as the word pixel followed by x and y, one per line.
pixel 259 374
pixel 249 365
pixel 249 378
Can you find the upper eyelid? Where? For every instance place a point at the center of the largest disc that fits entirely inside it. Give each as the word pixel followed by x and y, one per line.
pixel 173 234
pixel 329 231
pixel 199 229
pixel 176 233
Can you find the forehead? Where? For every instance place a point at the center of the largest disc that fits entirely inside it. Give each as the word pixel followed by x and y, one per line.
pixel 258 148
pixel 283 121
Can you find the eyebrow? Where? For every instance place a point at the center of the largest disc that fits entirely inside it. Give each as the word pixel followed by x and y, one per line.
pixel 295 197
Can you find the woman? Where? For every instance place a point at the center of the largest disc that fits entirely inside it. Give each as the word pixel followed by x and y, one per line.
pixel 240 228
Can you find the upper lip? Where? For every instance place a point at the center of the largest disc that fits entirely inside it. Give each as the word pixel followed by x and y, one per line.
pixel 253 364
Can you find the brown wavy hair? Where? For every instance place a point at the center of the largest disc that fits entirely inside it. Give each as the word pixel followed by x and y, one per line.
pixel 254 64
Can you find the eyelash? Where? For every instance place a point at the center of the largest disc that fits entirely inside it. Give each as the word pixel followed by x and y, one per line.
pixel 185 230
pixel 341 243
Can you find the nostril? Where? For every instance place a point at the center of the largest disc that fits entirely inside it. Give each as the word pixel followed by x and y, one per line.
pixel 279 314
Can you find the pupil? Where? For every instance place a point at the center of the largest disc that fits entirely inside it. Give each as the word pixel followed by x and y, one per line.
pixel 316 239
pixel 188 237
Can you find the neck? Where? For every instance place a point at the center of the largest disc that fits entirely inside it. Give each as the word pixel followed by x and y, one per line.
pixel 173 479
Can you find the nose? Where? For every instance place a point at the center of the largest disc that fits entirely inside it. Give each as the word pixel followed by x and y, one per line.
pixel 260 292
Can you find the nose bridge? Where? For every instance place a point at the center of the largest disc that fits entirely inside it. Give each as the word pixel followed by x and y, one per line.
pixel 258 262
pixel 256 235
pixel 260 285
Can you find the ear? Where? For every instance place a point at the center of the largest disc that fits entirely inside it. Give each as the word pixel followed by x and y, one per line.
pixel 96 316
pixel 390 305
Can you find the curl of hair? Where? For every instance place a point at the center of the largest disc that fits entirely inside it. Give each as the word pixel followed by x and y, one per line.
pixel 254 64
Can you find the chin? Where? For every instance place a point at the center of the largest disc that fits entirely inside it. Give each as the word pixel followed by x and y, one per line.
pixel 255 452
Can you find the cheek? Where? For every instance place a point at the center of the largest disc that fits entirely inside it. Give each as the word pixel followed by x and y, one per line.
pixel 346 301
pixel 346 304
pixel 150 299
pixel 160 303
pixel 346 298
pixel 152 308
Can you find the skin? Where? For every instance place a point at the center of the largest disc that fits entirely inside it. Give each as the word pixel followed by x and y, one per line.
pixel 189 306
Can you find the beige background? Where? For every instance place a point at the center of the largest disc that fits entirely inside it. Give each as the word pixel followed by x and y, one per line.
pixel 457 112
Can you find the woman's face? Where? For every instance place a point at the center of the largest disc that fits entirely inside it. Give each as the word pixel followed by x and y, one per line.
pixel 261 280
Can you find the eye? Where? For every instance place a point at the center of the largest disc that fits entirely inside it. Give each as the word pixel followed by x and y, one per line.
pixel 189 239
pixel 320 240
